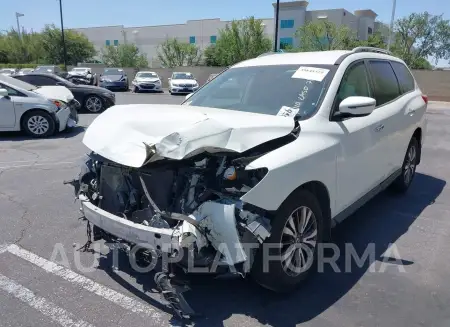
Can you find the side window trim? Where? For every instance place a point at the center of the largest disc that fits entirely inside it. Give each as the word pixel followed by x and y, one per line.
pixel 374 84
pixel 368 80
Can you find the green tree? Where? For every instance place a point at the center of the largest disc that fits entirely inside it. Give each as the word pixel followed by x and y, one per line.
pixel 422 35
pixel 124 55
pixel 324 35
pixel 173 53
pixel 24 49
pixel 238 41
pixel 375 40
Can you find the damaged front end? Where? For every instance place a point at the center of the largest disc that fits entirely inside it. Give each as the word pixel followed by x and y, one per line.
pixel 189 211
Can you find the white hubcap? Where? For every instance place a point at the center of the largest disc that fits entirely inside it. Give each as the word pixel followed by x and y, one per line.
pixel 298 241
pixel 38 125
pixel 94 104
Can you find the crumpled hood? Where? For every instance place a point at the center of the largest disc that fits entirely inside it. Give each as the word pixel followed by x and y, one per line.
pixel 61 93
pixel 127 134
pixel 73 73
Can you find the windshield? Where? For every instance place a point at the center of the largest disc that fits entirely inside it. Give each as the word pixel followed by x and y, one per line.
pixel 13 82
pixel 288 90
pixel 182 76
pixel 146 75
pixel 44 69
pixel 113 71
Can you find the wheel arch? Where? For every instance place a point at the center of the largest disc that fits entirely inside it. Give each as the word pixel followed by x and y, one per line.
pixel 22 117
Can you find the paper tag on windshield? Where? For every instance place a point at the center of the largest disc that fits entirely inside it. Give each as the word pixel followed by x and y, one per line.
pixel 287 112
pixel 311 73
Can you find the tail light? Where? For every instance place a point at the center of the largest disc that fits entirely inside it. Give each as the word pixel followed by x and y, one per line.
pixel 57 103
pixel 425 98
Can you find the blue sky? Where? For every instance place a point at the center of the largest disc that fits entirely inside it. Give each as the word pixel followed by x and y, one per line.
pixel 88 13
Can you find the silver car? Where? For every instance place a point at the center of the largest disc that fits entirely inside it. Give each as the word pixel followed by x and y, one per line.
pixel 40 112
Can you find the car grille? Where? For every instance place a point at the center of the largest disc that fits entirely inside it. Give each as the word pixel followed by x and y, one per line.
pixel 147 86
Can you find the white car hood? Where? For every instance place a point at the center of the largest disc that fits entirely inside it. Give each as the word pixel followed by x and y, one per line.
pixel 126 133
pixel 61 93
pixel 183 81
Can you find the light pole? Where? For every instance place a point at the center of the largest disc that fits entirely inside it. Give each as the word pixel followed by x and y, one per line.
pixel 277 13
pixel 394 4
pixel 62 35
pixel 18 25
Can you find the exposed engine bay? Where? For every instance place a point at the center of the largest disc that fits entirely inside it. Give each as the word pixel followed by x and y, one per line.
pixel 179 207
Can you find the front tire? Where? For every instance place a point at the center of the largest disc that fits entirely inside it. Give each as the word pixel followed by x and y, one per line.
pixel 93 104
pixel 38 124
pixel 403 182
pixel 297 229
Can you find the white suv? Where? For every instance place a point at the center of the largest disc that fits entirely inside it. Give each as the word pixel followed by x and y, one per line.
pixel 275 150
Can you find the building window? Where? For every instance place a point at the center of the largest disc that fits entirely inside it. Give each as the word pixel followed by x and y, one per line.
pixel 213 39
pixel 116 43
pixel 369 31
pixel 108 43
pixel 287 23
pixel 286 42
pixel 192 39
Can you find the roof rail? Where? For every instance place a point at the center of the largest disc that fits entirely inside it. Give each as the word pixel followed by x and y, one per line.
pixel 372 49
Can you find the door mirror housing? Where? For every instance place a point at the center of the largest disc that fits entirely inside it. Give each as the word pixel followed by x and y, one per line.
pixel 4 93
pixel 356 106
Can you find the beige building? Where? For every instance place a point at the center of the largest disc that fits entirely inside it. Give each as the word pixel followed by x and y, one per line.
pixel 205 32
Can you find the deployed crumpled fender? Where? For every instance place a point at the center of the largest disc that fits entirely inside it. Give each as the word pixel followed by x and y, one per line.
pixel 133 135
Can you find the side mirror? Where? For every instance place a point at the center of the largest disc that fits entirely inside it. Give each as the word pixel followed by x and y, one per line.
pixel 357 106
pixel 4 93
pixel 188 96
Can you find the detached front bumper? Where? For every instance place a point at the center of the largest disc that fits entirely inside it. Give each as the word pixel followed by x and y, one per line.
pixel 146 237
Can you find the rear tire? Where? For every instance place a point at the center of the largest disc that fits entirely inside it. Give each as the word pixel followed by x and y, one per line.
pixel 297 229
pixel 403 182
pixel 38 124
pixel 94 104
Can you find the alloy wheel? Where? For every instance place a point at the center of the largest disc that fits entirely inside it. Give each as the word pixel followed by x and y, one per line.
pixel 298 241
pixel 94 104
pixel 38 125
pixel 410 165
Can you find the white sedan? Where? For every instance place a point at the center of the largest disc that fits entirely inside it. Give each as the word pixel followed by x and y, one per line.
pixel 147 81
pixel 40 112
pixel 182 83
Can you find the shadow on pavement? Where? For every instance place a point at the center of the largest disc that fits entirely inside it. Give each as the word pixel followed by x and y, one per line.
pixel 21 136
pixel 381 222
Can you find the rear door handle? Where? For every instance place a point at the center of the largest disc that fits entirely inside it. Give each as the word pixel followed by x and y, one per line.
pixel 379 128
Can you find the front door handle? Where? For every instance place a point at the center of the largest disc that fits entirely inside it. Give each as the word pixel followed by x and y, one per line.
pixel 379 128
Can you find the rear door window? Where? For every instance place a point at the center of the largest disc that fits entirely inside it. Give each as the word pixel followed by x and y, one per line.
pixel 404 76
pixel 386 87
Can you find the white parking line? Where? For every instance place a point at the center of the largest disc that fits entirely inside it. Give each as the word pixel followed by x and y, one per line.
pixel 38 164
pixel 47 308
pixel 122 300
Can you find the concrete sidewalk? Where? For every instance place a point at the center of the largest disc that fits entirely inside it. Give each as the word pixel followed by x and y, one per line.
pixel 438 105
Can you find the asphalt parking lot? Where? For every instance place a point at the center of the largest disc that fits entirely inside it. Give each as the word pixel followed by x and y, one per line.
pixel 38 214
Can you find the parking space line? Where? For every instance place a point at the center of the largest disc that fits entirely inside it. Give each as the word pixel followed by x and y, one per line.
pixel 121 300
pixel 47 308
pixel 38 164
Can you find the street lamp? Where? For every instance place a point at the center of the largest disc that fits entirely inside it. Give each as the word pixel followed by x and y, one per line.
pixel 18 25
pixel 62 36
pixel 394 3
pixel 277 13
